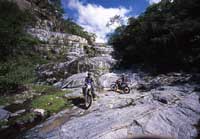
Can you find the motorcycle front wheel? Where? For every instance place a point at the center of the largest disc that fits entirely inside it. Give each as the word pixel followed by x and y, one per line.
pixel 88 100
pixel 113 87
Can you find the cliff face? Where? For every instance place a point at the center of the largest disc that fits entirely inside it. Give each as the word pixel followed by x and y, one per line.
pixel 68 54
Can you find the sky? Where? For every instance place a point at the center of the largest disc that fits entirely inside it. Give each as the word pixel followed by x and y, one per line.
pixel 95 15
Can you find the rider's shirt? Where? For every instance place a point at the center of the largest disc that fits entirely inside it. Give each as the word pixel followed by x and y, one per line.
pixel 88 80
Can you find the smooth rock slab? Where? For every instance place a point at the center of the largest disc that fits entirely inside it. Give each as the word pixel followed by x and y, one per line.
pixel 128 118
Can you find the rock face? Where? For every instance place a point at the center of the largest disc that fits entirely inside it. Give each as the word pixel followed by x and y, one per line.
pixel 76 61
pixel 172 112
pixel 57 38
pixel 69 54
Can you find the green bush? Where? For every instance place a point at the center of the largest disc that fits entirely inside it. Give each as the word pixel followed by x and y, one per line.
pixel 18 71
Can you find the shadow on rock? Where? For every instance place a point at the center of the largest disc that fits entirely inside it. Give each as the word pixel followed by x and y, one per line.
pixel 79 102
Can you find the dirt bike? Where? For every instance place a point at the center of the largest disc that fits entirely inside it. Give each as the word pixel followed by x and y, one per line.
pixel 88 96
pixel 121 86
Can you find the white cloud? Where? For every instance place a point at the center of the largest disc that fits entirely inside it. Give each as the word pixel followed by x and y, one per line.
pixel 153 1
pixel 94 18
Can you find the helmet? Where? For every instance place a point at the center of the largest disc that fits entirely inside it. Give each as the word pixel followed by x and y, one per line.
pixel 89 74
pixel 123 75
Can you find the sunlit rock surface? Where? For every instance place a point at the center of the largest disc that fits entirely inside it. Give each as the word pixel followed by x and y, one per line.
pixel 116 115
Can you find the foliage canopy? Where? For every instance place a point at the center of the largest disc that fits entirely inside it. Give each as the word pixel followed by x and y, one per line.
pixel 166 35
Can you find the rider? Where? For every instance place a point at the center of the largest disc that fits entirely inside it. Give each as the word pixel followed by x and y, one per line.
pixel 89 80
pixel 122 80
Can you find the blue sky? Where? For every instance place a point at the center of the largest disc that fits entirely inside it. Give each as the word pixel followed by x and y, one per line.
pixel 94 15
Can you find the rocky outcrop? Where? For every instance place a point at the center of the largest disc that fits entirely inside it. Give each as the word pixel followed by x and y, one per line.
pixel 57 38
pixel 77 61
pixel 98 65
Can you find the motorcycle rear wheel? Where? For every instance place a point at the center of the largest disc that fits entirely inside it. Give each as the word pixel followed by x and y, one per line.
pixel 126 90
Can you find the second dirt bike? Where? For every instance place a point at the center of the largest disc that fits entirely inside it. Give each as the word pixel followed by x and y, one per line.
pixel 88 96
pixel 121 86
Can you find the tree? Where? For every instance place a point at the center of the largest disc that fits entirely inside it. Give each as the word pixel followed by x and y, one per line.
pixel 57 5
pixel 166 35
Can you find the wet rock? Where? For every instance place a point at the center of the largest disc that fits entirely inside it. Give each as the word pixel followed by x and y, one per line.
pixel 4 114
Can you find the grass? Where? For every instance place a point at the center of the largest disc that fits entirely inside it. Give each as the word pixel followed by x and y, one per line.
pixel 51 103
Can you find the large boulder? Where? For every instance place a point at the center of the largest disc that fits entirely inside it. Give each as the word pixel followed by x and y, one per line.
pixel 107 79
pixel 75 81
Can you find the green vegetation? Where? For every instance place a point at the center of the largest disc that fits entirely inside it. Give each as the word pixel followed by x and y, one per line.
pixel 12 23
pixel 52 100
pixel 57 5
pixel 3 123
pixel 51 103
pixel 49 98
pixel 3 101
pixel 18 59
pixel 28 117
pixel 45 89
pixel 166 36
pixel 17 72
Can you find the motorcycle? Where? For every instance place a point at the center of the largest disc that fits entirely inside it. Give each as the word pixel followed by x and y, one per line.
pixel 88 96
pixel 121 86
